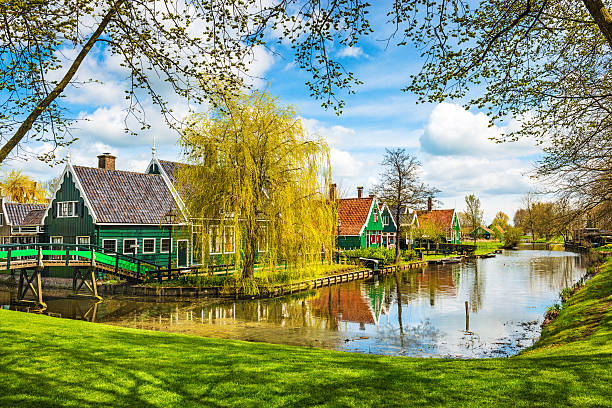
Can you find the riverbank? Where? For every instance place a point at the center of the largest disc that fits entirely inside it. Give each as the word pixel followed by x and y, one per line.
pixel 570 365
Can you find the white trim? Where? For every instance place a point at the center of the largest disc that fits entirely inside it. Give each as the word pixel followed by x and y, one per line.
pixel 390 214
pixel 56 236
pixel 109 239
pixel 177 253
pixel 123 246
pixel 75 209
pixel 78 185
pixel 154 245
pixel 4 215
pixel 161 251
pixel 168 182
pixel 233 239
pixel 76 240
pixel 374 201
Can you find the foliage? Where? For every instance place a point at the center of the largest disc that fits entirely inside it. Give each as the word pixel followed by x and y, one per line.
pixel 195 49
pixel 472 217
pixel 253 174
pixel 541 68
pixel 20 188
pixel 512 237
pixel 400 186
pixel 430 231
pixel 385 256
pixel 569 365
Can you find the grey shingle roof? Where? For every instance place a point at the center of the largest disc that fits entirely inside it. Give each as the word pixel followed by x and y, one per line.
pixel 124 196
pixel 172 169
pixel 34 217
pixel 19 213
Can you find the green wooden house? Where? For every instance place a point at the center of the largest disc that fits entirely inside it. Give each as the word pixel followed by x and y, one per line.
pixel 389 226
pixel 121 211
pixel 444 221
pixel 360 224
pixel 482 232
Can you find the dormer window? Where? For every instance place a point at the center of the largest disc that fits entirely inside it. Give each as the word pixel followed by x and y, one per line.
pixel 67 209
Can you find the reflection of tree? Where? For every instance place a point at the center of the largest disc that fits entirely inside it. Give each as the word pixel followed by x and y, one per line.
pixel 399 306
pixel 477 289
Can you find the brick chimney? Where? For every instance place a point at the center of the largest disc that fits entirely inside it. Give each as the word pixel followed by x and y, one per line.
pixel 429 204
pixel 359 191
pixel 106 161
pixel 333 192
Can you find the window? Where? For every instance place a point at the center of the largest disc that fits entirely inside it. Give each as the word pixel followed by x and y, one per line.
pixel 228 239
pixel 214 239
pixel 1 219
pixel 57 240
pixel 130 246
pixel 375 216
pixel 109 245
pixel 165 245
pixel 262 239
pixel 67 209
pixel 148 245
pixel 82 240
pixel 385 220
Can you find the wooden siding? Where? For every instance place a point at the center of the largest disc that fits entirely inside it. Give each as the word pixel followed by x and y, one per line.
pixel 139 232
pixel 69 227
pixel 349 242
pixel 389 227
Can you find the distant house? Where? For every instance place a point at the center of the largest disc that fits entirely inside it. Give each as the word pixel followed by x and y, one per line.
pixel 408 222
pixel 482 232
pixel 497 230
pixel 360 223
pixel 20 223
pixel 389 226
pixel 446 221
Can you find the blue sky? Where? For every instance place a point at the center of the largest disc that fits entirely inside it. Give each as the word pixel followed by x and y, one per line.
pixel 452 144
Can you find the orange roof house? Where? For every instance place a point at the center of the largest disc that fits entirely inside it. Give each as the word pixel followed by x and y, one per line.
pixel 446 221
pixel 360 223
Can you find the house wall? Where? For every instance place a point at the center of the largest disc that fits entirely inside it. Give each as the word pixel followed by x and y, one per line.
pixel 139 232
pixel 69 228
pixel 349 242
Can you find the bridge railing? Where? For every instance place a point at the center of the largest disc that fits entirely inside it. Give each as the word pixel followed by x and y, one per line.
pixel 89 253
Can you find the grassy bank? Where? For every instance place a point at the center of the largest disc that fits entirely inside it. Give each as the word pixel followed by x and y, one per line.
pixel 47 361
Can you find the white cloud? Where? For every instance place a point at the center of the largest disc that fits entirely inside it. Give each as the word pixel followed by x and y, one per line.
pixel 452 130
pixel 351 52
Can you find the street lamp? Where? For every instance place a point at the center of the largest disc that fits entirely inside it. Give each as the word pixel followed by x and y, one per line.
pixel 169 219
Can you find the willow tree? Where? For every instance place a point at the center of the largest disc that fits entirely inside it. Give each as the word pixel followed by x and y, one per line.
pixel 21 188
pixel 254 169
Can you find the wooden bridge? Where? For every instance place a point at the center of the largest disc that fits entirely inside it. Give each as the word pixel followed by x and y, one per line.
pixel 84 260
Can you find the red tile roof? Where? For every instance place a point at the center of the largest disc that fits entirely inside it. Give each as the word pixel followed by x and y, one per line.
pixel 441 218
pixel 353 214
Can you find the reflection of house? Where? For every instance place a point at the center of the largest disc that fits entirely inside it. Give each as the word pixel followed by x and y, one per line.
pixel 482 232
pixel 346 301
pixel 445 222
pixel 20 223
pixel 360 224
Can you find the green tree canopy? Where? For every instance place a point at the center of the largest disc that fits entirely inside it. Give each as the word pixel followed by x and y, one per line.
pixel 253 168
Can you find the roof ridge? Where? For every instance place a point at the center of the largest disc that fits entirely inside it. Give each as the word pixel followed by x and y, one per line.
pixel 117 171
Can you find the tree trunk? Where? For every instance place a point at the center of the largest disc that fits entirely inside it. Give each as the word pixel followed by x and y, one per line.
pixel 397 235
pixel 602 18
pixel 27 124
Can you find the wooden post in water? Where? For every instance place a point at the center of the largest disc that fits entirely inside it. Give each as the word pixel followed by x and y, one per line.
pixel 467 317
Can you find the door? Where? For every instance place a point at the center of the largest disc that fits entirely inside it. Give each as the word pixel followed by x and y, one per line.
pixel 182 251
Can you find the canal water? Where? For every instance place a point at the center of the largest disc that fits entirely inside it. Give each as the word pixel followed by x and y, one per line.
pixel 418 313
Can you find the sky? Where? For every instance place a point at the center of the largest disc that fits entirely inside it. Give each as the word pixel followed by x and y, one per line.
pixel 452 144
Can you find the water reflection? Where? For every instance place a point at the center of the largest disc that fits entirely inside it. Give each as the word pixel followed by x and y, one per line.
pixel 415 313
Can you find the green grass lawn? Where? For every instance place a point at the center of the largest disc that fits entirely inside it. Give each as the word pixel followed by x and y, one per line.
pixel 48 362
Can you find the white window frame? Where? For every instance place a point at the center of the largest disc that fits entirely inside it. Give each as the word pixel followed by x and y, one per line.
pixel 212 231
pixel 130 252
pixel 57 236
pixel 233 251
pixel 177 253
pixel 110 239
pixel 161 245
pixel 154 245
pixel 83 236
pixel 74 205
pixel 264 229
